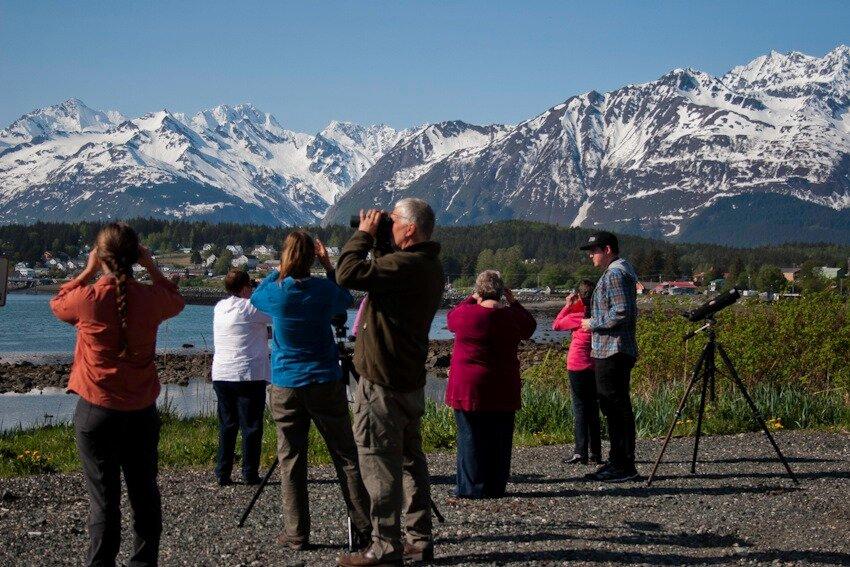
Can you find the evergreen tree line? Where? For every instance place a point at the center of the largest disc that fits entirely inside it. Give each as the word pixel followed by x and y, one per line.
pixel 527 253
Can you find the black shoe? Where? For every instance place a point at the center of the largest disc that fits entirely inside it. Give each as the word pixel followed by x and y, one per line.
pixel 617 474
pixel 595 460
pixel 592 475
pixel 360 541
pixel 575 459
pixel 225 481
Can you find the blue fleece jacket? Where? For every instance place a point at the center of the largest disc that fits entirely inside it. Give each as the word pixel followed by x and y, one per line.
pixel 303 347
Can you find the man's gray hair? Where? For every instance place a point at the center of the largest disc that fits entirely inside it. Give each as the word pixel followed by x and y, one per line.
pixel 419 213
pixel 489 285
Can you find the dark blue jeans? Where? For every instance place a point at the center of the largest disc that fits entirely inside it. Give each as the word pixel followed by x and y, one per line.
pixel 484 443
pixel 585 413
pixel 240 406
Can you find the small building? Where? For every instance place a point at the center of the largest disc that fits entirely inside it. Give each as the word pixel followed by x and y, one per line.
pixel 25 273
pixel 248 262
pixel 207 247
pixel 210 260
pixel 676 288
pixel 789 273
pixel 645 287
pixel 830 273
pixel 235 249
pixel 264 251
pixel 716 285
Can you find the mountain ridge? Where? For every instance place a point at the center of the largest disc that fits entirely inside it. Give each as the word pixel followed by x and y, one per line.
pixel 653 158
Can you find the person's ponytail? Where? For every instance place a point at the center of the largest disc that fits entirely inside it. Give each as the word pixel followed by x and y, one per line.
pixel 118 249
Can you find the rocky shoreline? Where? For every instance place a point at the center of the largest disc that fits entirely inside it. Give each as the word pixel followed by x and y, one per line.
pixel 50 371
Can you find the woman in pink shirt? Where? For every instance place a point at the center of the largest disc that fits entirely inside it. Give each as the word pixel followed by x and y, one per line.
pixel 582 377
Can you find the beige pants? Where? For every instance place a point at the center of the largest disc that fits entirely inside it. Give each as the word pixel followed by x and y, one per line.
pixel 387 427
pixel 327 405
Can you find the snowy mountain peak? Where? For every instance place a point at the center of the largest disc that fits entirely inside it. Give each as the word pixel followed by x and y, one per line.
pixel 69 117
pixel 226 114
pixel 794 74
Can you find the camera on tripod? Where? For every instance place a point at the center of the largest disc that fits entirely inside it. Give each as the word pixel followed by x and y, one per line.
pixel 703 378
pixel 338 322
pixel 384 236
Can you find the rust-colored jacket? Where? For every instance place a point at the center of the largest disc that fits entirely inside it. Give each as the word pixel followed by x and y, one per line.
pixel 98 374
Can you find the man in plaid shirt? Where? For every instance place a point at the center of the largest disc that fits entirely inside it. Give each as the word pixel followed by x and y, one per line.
pixel 614 351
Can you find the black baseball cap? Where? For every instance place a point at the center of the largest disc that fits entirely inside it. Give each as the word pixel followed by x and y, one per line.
pixel 602 239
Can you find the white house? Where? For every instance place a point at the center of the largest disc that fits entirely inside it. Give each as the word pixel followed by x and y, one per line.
pixel 25 273
pixel 245 262
pixel 264 251
pixel 235 249
pixel 207 247
pixel 210 260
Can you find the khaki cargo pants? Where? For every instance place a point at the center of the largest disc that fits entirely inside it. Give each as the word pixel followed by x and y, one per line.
pixel 327 405
pixel 387 427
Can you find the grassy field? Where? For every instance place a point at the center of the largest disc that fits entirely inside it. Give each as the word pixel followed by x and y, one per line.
pixel 546 418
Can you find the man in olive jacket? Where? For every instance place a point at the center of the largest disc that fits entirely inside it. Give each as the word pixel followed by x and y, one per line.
pixel 404 292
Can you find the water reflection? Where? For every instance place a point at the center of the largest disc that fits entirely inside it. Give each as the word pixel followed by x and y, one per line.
pixel 52 406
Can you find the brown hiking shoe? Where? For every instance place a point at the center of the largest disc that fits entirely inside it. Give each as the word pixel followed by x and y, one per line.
pixel 367 558
pixel 294 545
pixel 423 552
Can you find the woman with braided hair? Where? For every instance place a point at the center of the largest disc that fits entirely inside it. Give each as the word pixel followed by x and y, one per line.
pixel 116 423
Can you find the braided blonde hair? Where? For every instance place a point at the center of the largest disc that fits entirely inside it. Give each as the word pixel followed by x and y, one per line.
pixel 118 249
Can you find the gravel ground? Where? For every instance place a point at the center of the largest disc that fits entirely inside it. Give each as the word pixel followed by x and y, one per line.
pixel 741 509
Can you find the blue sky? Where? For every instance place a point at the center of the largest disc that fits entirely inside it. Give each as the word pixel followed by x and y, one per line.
pixel 401 63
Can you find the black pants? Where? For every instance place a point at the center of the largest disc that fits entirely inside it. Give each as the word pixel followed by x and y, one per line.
pixel 585 413
pixel 613 380
pixel 240 406
pixel 111 442
pixel 484 443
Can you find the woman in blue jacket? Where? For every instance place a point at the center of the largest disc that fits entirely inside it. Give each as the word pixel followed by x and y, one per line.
pixel 307 383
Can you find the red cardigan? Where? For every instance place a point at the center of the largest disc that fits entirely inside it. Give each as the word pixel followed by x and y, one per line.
pixel 484 371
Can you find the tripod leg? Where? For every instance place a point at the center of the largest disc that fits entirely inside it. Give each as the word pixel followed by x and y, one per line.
pixel 436 511
pixel 678 414
pixel 707 380
pixel 756 413
pixel 258 492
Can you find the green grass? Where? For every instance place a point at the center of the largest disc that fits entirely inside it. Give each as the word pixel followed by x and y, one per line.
pixel 545 418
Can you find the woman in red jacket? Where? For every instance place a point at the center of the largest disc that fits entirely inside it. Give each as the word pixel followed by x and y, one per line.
pixel 484 384
pixel 116 423
pixel 582 377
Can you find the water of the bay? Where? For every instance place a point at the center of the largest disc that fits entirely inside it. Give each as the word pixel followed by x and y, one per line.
pixel 28 330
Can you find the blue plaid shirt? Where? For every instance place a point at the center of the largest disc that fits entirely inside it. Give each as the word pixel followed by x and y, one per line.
pixel 614 312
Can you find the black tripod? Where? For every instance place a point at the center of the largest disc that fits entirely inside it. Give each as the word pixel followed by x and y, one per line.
pixel 706 370
pixel 347 364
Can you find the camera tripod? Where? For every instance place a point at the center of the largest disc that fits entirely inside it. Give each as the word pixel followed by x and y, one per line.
pixel 705 371
pixel 348 371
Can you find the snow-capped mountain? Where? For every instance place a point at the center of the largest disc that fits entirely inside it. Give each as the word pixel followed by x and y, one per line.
pixel 234 163
pixel 660 158
pixel 760 154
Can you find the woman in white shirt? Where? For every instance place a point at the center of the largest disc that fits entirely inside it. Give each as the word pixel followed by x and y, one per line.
pixel 240 374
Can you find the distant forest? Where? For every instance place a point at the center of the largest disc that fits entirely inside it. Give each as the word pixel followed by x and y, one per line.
pixel 528 253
